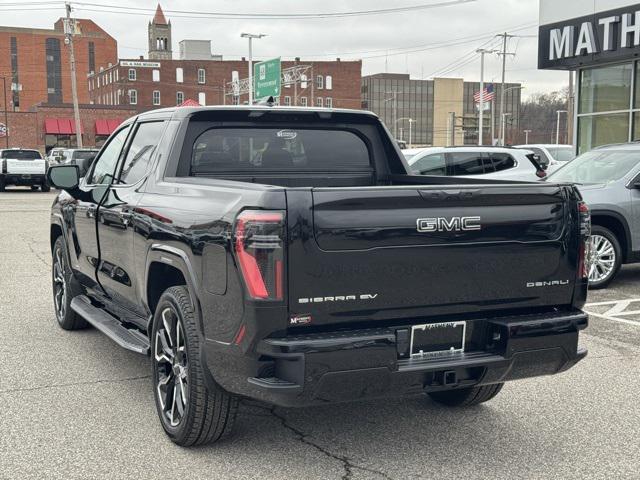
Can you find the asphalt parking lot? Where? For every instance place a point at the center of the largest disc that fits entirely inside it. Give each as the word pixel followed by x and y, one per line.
pixel 75 405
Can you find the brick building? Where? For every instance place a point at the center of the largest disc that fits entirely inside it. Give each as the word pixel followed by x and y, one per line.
pixel 46 126
pixel 149 84
pixel 35 63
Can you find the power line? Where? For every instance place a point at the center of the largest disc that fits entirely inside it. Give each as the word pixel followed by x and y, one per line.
pixel 270 16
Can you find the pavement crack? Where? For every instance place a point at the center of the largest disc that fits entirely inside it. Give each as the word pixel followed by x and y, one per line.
pixel 37 254
pixel 347 464
pixel 74 384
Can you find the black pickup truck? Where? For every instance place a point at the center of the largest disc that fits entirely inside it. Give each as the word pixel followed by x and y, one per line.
pixel 287 255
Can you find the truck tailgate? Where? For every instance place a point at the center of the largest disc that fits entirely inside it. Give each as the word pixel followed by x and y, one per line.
pixel 361 254
pixel 25 167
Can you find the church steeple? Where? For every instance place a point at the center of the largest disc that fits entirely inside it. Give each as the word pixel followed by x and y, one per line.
pixel 160 37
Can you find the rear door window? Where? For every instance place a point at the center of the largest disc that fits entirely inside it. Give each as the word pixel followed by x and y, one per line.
pixel 502 161
pixel 430 165
pixel 466 163
pixel 256 150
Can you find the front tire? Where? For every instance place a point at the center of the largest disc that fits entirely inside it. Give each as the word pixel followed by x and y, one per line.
pixel 466 397
pixel 605 257
pixel 65 287
pixel 190 412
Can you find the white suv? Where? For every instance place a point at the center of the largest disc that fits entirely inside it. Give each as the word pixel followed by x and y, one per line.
pixel 552 156
pixel 478 162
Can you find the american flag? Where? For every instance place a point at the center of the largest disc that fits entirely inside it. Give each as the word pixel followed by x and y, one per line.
pixel 488 95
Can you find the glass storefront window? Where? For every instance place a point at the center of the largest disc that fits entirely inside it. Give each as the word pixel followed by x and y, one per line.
pixel 606 89
pixel 597 130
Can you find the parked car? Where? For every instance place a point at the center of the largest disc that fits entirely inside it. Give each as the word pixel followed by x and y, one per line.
pixel 552 156
pixel 273 253
pixel 55 156
pixel 73 155
pixel 609 180
pixel 478 162
pixel 409 153
pixel 23 167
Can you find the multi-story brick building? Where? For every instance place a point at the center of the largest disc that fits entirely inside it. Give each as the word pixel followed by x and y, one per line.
pixel 35 63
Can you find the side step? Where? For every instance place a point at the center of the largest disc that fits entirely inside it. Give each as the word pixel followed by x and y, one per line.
pixel 132 340
pixel 273 383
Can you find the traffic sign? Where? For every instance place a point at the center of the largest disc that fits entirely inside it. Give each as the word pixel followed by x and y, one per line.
pixel 267 78
pixel 3 130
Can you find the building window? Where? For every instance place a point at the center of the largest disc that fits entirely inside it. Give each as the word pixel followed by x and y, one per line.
pixel 319 82
pixel 155 75
pixel 319 102
pixel 201 75
pixel 156 97
pixel 54 71
pixel 179 75
pixel 133 97
pixel 202 98
pixel 303 101
pixel 179 98
pixel 92 57
pixel 328 102
pixel 287 101
pixel 132 74
pixel 328 84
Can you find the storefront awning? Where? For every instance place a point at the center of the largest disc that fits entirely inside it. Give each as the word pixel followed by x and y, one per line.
pixel 60 126
pixel 107 127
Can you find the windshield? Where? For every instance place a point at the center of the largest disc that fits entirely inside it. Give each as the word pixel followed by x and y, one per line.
pixel 598 167
pixel 562 154
pixel 21 154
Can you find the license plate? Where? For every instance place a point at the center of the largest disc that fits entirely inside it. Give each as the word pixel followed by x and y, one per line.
pixel 438 339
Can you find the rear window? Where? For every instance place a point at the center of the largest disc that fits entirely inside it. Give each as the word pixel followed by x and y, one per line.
pixel 258 150
pixel 21 154
pixel 467 164
pixel 84 155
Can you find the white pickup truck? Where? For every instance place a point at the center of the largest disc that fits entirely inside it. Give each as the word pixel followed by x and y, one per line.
pixel 19 166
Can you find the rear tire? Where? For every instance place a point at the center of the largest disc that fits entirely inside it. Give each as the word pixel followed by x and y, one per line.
pixel 604 263
pixel 1 184
pixel 45 188
pixel 191 411
pixel 466 397
pixel 65 288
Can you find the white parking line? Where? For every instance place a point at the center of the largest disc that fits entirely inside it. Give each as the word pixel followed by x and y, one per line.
pixel 618 308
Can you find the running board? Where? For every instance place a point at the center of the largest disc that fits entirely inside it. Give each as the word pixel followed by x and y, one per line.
pixel 133 340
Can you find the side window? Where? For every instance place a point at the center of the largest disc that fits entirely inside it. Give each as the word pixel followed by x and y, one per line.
pixel 544 159
pixel 502 161
pixel 105 166
pixel 469 163
pixel 431 165
pixel 140 153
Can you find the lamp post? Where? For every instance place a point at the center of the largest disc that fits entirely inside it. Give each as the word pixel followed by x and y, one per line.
pixel 526 136
pixel 502 130
pixel 411 122
pixel 482 53
pixel 504 125
pixel 558 112
pixel 251 36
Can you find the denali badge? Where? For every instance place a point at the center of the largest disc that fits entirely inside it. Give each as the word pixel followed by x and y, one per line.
pixel 552 283
pixel 338 298
pixel 453 224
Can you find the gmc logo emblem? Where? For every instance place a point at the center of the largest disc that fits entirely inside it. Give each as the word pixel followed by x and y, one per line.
pixel 453 224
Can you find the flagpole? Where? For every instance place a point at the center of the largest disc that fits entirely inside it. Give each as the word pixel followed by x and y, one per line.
pixel 481 117
pixel 493 120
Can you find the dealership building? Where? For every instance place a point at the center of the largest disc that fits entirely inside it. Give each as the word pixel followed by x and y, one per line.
pixel 600 41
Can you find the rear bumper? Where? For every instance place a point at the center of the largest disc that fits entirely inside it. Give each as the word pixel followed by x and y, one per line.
pixel 365 364
pixel 23 179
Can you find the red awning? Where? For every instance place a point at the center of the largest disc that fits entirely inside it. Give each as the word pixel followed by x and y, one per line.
pixel 107 127
pixel 60 126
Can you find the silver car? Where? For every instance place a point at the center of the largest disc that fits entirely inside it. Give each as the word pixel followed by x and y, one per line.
pixel 609 180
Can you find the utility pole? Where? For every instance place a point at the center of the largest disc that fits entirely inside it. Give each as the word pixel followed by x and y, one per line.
pixel 526 136
pixel 482 53
pixel 505 38
pixel 70 28
pixel 6 116
pixel 251 36
pixel 558 126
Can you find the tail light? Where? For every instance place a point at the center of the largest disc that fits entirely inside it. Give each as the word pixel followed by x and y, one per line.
pixel 541 174
pixel 585 242
pixel 259 245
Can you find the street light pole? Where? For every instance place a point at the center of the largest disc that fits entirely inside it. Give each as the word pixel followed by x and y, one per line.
pixel 6 116
pixel 526 136
pixel 251 36
pixel 411 121
pixel 70 31
pixel 558 125
pixel 503 125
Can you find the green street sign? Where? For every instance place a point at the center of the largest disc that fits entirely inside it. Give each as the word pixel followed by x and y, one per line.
pixel 266 78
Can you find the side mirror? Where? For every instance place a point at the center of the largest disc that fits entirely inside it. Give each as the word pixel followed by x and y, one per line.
pixel 64 177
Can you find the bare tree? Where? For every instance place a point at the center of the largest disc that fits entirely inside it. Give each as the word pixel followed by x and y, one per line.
pixel 539 114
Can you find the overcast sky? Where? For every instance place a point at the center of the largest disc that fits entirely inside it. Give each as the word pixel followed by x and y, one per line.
pixel 349 38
